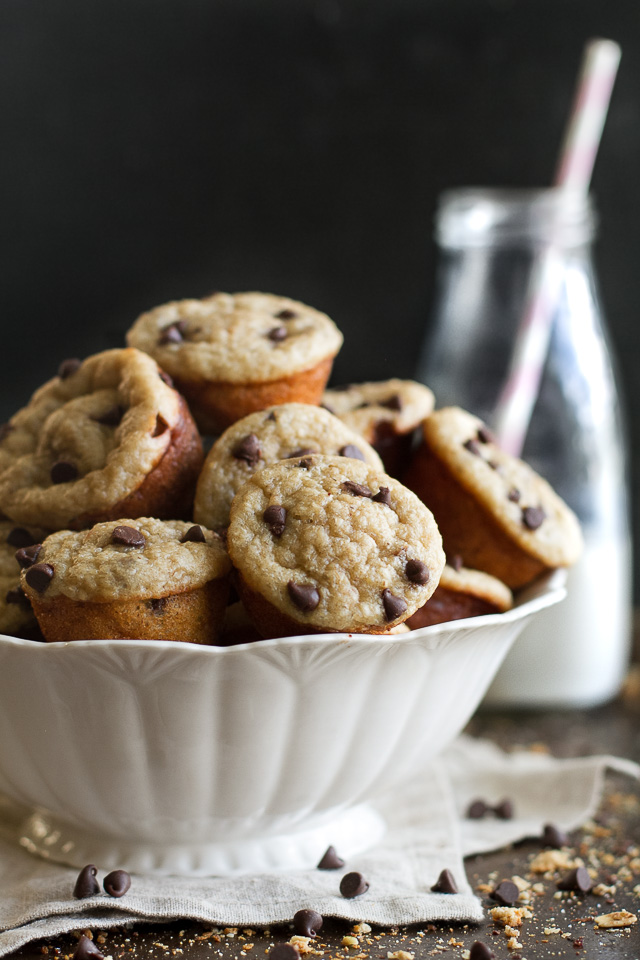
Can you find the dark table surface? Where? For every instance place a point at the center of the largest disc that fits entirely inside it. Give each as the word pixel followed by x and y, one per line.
pixel 557 928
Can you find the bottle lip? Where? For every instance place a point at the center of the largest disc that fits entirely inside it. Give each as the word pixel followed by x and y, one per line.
pixel 495 216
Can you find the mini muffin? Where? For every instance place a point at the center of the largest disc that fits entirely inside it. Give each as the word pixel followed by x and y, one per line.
pixel 330 544
pixel 256 441
pixel 107 438
pixel 130 579
pixel 462 593
pixel 233 354
pixel 386 414
pixel 16 615
pixel 492 509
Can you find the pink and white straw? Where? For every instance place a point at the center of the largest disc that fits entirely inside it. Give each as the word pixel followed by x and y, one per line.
pixel 577 157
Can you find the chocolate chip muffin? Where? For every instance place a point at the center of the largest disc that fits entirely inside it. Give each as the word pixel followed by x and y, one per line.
pixel 107 438
pixel 130 579
pixel 330 544
pixel 492 509
pixel 256 441
pixel 17 546
pixel 385 413
pixel 233 354
pixel 460 594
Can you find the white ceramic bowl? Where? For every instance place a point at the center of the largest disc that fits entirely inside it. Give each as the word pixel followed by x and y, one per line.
pixel 165 757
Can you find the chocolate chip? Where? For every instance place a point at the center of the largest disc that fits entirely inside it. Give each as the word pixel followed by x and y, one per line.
pixel 117 883
pixel 248 449
pixel 552 836
pixel 278 334
pixel 275 518
pixel 86 884
pixel 356 489
pixel 158 604
pixel 330 860
pixel 393 403
pixel 353 885
pixel 480 951
pixel 506 893
pixel 455 561
pixel 485 435
pixel 86 949
pixel 303 595
pixel 305 464
pixel 17 595
pixel 161 426
pixel 307 923
pixel 173 333
pixel 472 446
pixel 284 951
pixel 302 452
pixel 128 537
pixel 445 883
pixel 39 576
pixel 67 367
pixel 476 810
pixel 63 472
pixel 394 606
pixel 495 466
pixel 286 314
pixel 504 810
pixel 194 534
pixel 111 417
pixel 19 537
pixel 383 496
pixel 271 417
pixel 165 378
pixel 349 450
pixel 514 495
pixel 27 556
pixel 577 879
pixel 417 571
pixel 533 517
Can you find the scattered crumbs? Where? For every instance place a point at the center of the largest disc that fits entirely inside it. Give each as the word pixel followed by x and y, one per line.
pixel 352 942
pixel 510 916
pixel 548 861
pixel 602 890
pixel 400 955
pixel 514 944
pixel 361 928
pixel 549 930
pixel 621 918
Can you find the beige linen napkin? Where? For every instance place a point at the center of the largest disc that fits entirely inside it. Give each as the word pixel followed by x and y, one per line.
pixel 427 832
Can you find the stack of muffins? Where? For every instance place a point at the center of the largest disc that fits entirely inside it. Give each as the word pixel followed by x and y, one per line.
pixel 314 510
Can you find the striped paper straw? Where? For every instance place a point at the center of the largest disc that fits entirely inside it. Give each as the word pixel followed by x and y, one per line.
pixel 577 157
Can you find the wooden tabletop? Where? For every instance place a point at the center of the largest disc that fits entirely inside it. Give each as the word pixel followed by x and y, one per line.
pixel 557 928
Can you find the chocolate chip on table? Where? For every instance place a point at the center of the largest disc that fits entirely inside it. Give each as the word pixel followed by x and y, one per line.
pixel 117 883
pixel 353 885
pixel 63 472
pixel 533 517
pixel 506 893
pixel 553 836
pixel 128 537
pixel 286 314
pixel 445 883
pixel 514 495
pixel 393 403
pixel 357 489
pixel 307 923
pixel 17 595
pixel 86 949
pixel 349 450
pixel 577 879
pixel 393 606
pixel 27 556
pixel 382 496
pixel 39 576
pixel 330 860
pixel 194 534
pixel 248 449
pixel 417 571
pixel 111 417
pixel 303 595
pixel 86 884
pixel 284 951
pixel 480 951
pixel 504 810
pixel 19 537
pixel 275 518
pixel 477 809
pixel 472 446
pixel 278 334
pixel 67 367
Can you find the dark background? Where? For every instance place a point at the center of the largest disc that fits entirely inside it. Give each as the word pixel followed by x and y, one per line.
pixel 158 149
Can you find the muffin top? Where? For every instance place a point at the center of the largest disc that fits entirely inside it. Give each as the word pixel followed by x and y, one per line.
pixel 517 497
pixel 334 543
pixel 476 583
pixel 363 406
pixel 126 560
pixel 256 441
pixel 236 338
pixel 87 438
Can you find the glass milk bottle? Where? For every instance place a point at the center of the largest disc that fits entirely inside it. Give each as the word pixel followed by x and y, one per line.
pixel 576 653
